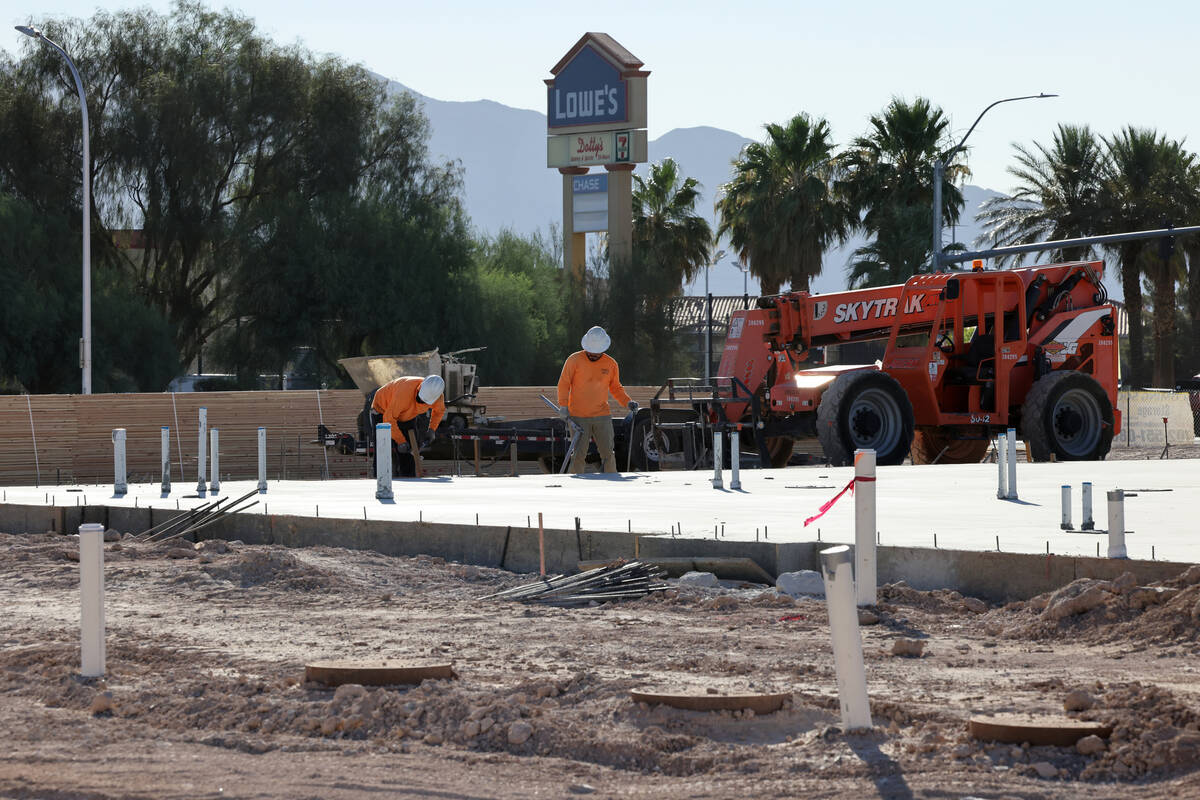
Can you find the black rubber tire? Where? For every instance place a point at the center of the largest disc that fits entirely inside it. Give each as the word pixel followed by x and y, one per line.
pixel 1067 414
pixel 779 450
pixel 865 410
pixel 928 447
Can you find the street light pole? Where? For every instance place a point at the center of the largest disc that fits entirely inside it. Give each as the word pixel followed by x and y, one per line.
pixel 939 170
pixel 708 319
pixel 85 343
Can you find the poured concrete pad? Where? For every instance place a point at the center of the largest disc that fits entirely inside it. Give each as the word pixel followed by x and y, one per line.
pixel 703 701
pixel 1037 730
pixel 955 503
pixel 374 673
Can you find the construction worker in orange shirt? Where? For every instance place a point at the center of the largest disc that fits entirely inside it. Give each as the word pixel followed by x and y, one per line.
pixel 588 378
pixel 402 403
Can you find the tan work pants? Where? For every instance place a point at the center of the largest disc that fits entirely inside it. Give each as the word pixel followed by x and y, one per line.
pixel 600 429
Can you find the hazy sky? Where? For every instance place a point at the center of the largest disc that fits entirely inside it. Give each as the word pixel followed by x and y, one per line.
pixel 737 65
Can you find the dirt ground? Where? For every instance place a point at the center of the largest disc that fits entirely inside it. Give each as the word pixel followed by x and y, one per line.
pixel 205 697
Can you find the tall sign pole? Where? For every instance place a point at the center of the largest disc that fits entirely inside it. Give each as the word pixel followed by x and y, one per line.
pixel 596 117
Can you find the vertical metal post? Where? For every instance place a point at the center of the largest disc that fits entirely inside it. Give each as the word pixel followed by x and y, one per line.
pixel 735 458
pixel 1066 508
pixel 1088 523
pixel 91 600
pixel 1012 463
pixel 718 456
pixel 214 474
pixel 203 458
pixel 864 526
pixel 1116 524
pixel 847 641
pixel 1001 467
pixel 939 169
pixel 120 486
pixel 166 460
pixel 383 461
pixel 513 458
pixel 262 460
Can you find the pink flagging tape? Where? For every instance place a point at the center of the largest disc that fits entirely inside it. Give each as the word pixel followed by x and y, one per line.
pixel 848 488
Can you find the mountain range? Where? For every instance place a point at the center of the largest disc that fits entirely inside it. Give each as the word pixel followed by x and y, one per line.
pixel 502 152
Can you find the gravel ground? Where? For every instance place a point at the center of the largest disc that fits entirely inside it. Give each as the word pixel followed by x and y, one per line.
pixel 205 697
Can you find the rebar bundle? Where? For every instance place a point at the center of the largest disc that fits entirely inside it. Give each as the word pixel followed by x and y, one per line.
pixel 617 581
pixel 197 518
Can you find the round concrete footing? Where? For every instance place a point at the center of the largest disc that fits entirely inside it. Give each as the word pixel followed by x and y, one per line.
pixel 1037 730
pixel 759 703
pixel 374 673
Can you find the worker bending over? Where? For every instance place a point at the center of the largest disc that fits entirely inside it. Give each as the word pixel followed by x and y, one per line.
pixel 402 403
pixel 588 377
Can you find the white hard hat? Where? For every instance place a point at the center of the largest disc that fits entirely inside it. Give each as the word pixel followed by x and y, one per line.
pixel 595 340
pixel 431 389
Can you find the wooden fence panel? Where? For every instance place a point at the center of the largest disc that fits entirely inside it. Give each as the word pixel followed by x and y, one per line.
pixel 74 432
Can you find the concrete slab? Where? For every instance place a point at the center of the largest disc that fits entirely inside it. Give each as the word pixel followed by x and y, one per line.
pixel 957 503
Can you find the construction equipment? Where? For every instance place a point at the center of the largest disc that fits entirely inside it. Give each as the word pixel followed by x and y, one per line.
pixel 965 355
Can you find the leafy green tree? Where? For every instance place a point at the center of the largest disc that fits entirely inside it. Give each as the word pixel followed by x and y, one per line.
pixel 1147 182
pixel 668 234
pixel 781 210
pixel 887 178
pixel 1058 195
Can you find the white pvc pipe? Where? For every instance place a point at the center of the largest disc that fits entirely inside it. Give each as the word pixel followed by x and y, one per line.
pixel 718 456
pixel 1116 524
pixel 1012 463
pixel 735 459
pixel 262 460
pixel 91 600
pixel 200 488
pixel 864 526
pixel 1002 468
pixel 120 485
pixel 383 461
pixel 214 473
pixel 166 460
pixel 1088 523
pixel 1066 508
pixel 847 642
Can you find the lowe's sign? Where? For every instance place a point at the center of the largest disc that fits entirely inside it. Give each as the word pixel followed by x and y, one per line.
pixel 588 91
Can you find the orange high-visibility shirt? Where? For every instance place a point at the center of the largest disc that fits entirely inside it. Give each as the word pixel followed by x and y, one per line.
pixel 584 385
pixel 397 401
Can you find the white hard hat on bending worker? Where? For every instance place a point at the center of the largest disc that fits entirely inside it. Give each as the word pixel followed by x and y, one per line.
pixel 588 378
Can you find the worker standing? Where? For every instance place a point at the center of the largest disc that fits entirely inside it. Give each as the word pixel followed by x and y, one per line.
pixel 588 377
pixel 402 403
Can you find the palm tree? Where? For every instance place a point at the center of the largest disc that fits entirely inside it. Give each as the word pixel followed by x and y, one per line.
pixel 1146 183
pixel 888 181
pixel 781 210
pixel 668 235
pixel 1058 195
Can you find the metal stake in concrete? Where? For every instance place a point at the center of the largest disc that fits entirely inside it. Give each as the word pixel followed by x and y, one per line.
pixel 864 526
pixel 120 486
pixel 1001 467
pixel 262 460
pixel 166 460
pixel 203 458
pixel 735 458
pixel 1116 524
pixel 847 641
pixel 1012 463
pixel 214 475
pixel 1088 523
pixel 1066 508
pixel 718 456
pixel 383 461
pixel 541 546
pixel 91 600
